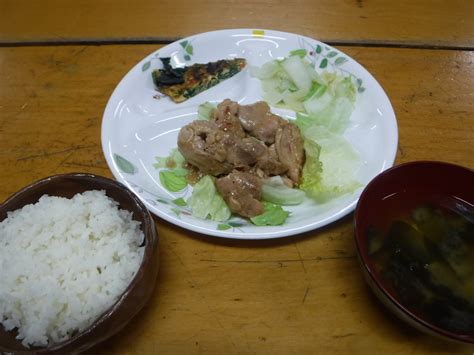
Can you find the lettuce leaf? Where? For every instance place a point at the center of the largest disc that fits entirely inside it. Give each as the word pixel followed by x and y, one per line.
pixel 205 201
pixel 274 215
pixel 205 111
pixel 331 165
pixel 324 102
pixel 174 180
pixel 274 190
pixel 325 98
pixel 330 105
pixel 174 160
pixel 173 173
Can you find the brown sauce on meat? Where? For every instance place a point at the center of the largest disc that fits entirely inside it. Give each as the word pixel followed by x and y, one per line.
pixel 240 145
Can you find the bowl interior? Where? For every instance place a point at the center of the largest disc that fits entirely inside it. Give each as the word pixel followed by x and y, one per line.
pixel 139 290
pixel 396 192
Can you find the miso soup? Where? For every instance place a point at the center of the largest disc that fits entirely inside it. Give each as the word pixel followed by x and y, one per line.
pixel 426 258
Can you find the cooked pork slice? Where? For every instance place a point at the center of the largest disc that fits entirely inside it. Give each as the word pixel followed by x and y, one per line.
pixel 269 163
pixel 204 145
pixel 290 150
pixel 226 118
pixel 259 122
pixel 242 192
pixel 246 152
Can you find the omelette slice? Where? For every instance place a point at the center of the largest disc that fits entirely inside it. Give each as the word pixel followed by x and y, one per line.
pixel 181 84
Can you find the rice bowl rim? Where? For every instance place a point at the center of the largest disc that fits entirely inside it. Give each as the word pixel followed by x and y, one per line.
pixel 85 338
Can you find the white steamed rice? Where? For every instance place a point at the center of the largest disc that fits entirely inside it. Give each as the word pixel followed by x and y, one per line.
pixel 63 262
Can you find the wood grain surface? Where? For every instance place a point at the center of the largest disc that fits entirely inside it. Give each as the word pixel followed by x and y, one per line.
pixel 406 22
pixel 294 295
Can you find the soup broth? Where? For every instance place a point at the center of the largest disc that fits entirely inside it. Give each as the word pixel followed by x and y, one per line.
pixel 425 257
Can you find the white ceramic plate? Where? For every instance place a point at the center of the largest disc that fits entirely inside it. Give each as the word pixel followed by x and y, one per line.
pixel 139 124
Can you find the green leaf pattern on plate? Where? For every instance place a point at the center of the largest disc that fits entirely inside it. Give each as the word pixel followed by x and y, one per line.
pixel 175 205
pixel 124 165
pixel 146 65
pixel 187 52
pixel 188 49
pixel 324 57
pixel 340 60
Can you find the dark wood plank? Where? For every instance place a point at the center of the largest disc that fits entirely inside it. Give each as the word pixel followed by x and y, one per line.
pixel 416 23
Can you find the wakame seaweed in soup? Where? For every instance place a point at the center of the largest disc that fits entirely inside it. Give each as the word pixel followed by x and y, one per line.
pixel 427 258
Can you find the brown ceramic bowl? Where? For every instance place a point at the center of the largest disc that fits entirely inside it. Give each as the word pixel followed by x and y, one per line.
pixel 392 193
pixel 136 294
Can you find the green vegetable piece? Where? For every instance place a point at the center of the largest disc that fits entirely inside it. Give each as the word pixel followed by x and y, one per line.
pixel 160 162
pixel 180 202
pixel 274 215
pixel 274 190
pixel 206 202
pixel 295 68
pixel 317 90
pixel 205 111
pixel 182 172
pixel 219 211
pixel 330 166
pixel 174 160
pixel 173 180
pixel 331 107
pixel 223 227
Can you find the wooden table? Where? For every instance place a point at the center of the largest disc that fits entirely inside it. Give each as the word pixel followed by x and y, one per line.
pixel 59 63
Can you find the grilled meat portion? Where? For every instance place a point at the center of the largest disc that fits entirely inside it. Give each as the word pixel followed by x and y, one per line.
pixel 241 145
pixel 259 122
pixel 226 118
pixel 246 152
pixel 241 191
pixel 290 150
pixel 269 164
pixel 204 145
